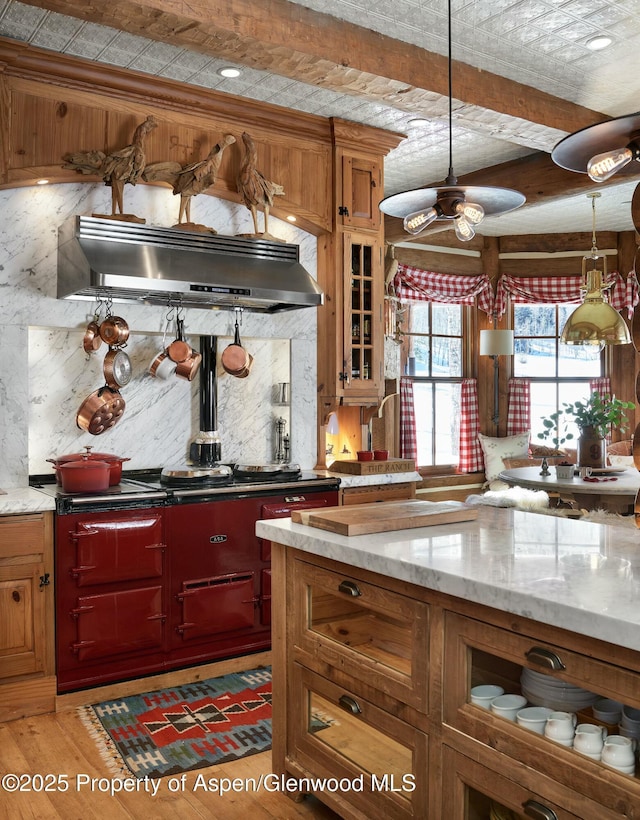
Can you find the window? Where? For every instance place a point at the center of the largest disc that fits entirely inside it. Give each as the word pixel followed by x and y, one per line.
pixel 557 373
pixel 435 364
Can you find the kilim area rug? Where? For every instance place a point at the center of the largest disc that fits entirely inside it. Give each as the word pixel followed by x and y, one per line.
pixel 185 727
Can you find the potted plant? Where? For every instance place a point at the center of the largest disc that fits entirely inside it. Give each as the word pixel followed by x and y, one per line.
pixel 594 418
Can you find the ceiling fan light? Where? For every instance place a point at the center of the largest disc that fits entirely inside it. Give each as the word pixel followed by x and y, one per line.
pixel 464 231
pixel 418 220
pixel 473 213
pixel 603 166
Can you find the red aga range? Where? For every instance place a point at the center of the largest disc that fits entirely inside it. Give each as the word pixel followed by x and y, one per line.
pixel 151 579
pixel 164 570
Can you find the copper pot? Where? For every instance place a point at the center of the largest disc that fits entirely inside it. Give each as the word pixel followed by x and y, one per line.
pixel 85 476
pixel 92 340
pixel 115 463
pixel 189 368
pixel 235 360
pixel 179 350
pixel 114 331
pixel 117 368
pixel 100 410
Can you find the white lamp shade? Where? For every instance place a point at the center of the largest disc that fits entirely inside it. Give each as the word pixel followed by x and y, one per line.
pixel 496 342
pixel 333 428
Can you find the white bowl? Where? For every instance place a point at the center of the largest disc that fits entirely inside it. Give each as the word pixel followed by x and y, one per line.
pixel 607 710
pixel 483 695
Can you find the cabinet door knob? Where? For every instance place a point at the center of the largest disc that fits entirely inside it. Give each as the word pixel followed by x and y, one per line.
pixel 544 657
pixel 350 588
pixel 349 704
pixel 539 812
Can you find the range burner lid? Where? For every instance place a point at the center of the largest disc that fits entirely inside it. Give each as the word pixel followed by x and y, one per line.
pixel 266 472
pixel 180 476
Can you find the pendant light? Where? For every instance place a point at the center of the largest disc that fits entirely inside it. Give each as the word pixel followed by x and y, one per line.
pixel 595 322
pixel 464 205
pixel 600 150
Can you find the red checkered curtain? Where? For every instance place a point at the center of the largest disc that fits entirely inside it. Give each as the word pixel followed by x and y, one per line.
pixel 416 285
pixel 519 414
pixel 558 290
pixel 470 456
pixel 408 438
pixel 601 385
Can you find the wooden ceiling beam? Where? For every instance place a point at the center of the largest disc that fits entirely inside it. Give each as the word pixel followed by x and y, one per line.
pixel 315 48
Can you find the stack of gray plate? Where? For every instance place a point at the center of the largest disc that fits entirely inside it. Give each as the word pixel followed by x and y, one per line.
pixel 545 690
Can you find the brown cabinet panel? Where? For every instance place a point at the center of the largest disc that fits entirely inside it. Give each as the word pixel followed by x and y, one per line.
pixel 26 605
pixel 361 192
pixel 336 733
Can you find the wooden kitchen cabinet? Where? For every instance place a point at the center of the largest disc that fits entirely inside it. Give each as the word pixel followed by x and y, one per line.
pixel 361 192
pixel 363 333
pixel 351 274
pixel 357 687
pixel 477 651
pixel 389 665
pixel 27 668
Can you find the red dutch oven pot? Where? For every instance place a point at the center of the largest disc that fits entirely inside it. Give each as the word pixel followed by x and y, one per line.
pixel 114 462
pixel 85 476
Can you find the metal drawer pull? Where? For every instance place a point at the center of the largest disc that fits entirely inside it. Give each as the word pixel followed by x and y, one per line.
pixel 350 588
pixel 349 705
pixel 544 657
pixel 539 812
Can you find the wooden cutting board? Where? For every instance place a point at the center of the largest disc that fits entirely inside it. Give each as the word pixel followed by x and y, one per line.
pixel 362 519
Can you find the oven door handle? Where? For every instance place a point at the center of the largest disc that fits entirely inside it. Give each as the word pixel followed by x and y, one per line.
pixel 183 627
pixel 156 546
pixel 81 610
pixel 79 645
pixel 76 572
pixel 74 534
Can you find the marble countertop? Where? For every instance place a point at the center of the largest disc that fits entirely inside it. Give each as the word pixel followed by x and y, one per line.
pixel 21 500
pixel 348 480
pixel 507 559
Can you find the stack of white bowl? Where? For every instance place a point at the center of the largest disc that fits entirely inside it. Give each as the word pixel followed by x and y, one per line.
pixel 545 690
pixel 629 725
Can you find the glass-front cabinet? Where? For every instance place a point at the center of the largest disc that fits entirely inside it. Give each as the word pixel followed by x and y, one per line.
pixel 362 372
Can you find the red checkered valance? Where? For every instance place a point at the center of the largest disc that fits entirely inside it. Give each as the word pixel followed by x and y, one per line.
pixel 558 290
pixel 414 284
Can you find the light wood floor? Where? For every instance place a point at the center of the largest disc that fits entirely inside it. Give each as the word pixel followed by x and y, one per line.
pixel 58 744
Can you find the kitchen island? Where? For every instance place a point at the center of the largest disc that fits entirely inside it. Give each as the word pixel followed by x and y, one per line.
pixel 380 637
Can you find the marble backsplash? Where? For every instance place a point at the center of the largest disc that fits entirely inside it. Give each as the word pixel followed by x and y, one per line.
pixel 45 374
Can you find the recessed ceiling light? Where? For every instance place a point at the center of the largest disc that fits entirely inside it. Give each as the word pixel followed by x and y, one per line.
pixel 418 122
pixel 42 182
pixel 228 71
pixel 291 218
pixel 598 42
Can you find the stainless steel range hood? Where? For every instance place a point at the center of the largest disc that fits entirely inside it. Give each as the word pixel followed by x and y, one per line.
pixel 158 266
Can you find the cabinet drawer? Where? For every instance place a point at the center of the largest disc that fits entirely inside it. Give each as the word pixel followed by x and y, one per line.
pixel 338 734
pixel 376 636
pixel 472 790
pixel 477 652
pixel 21 535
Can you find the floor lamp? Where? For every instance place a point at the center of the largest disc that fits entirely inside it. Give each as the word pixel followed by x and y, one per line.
pixel 496 343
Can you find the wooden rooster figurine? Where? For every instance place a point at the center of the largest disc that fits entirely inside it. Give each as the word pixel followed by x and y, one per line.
pixel 190 180
pixel 118 168
pixel 256 191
